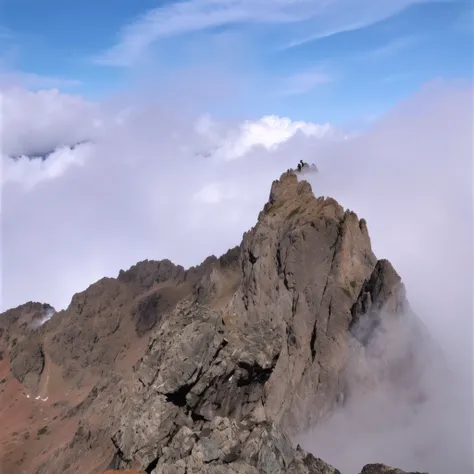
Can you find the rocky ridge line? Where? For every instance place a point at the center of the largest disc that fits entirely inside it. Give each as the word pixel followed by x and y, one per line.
pixel 231 357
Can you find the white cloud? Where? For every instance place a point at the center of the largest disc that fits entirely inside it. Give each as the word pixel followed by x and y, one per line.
pixel 29 172
pixel 158 181
pixel 321 18
pixel 38 122
pixel 214 193
pixel 269 133
pixel 122 187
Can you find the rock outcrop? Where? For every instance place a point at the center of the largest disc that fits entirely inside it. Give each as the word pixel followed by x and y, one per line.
pixel 382 469
pixel 213 369
pixel 20 336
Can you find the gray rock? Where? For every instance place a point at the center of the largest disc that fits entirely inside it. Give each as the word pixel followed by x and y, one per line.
pixel 212 369
pixel 382 469
pixel 225 446
pixel 21 334
pixel 27 362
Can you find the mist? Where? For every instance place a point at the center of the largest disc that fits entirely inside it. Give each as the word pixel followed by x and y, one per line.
pixel 413 412
pixel 411 178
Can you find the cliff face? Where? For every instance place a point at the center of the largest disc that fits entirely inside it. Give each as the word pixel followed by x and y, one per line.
pixel 211 369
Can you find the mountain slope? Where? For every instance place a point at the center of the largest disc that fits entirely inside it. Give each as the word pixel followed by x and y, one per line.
pixel 210 369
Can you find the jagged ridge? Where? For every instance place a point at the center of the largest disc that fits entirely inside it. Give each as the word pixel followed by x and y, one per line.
pixel 206 369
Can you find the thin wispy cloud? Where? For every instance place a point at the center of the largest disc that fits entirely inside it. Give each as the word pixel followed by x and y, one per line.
pixel 322 34
pixel 36 81
pixel 391 48
pixel 342 16
pixel 321 17
pixel 195 15
pixel 304 81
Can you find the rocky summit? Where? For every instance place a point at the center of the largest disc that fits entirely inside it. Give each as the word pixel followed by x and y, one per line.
pixel 214 369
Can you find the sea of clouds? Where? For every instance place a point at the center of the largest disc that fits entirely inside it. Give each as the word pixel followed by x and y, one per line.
pixel 115 183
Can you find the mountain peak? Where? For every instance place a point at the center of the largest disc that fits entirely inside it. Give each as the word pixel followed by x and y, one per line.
pixel 288 188
pixel 294 198
pixel 175 365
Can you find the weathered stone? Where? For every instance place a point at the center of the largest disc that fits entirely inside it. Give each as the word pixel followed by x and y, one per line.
pixel 27 362
pixel 382 469
pixel 211 369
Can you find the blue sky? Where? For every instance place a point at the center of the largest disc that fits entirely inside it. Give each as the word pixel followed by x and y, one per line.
pixel 321 60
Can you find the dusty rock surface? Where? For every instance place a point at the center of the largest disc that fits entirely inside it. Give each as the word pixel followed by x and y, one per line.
pixel 207 370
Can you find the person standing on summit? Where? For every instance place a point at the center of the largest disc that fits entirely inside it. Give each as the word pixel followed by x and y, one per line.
pixel 301 165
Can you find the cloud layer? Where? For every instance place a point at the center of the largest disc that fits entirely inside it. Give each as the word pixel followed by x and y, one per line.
pixel 154 184
pixel 146 180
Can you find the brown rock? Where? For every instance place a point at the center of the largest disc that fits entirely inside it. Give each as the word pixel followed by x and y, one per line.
pixel 304 264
